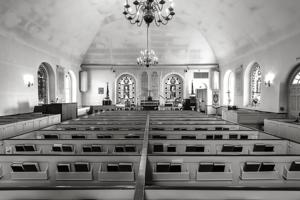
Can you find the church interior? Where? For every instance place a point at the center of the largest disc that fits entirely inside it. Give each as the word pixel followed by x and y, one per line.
pixel 149 99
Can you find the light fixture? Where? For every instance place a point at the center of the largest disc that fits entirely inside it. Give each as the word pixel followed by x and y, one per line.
pixel 268 83
pixel 28 80
pixel 147 57
pixel 269 78
pixel 149 10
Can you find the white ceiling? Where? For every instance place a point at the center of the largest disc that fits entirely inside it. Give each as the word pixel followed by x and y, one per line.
pixel 202 31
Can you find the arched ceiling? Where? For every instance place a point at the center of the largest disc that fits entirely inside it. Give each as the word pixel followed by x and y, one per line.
pixel 201 31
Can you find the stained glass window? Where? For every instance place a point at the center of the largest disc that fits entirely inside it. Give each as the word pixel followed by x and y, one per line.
pixel 42 85
pixel 174 87
pixel 255 84
pixel 126 89
pixel 294 94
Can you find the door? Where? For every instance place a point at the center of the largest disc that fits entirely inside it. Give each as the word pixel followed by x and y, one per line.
pixel 201 100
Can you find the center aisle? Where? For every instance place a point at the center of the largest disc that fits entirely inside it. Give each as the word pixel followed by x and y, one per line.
pixel 139 192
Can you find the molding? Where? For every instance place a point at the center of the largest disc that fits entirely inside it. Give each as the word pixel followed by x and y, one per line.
pixel 159 66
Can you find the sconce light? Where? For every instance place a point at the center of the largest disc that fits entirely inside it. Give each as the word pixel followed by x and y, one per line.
pixel 28 80
pixel 269 79
pixel 268 83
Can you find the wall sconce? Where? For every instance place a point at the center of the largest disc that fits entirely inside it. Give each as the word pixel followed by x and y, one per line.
pixel 268 83
pixel 269 79
pixel 28 80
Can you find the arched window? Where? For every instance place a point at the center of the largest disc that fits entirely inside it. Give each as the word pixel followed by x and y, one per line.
pixel 144 86
pixel 173 87
pixel 255 84
pixel 296 80
pixel 68 88
pixel 229 84
pixel 126 90
pixel 294 93
pixel 43 85
pixel 155 85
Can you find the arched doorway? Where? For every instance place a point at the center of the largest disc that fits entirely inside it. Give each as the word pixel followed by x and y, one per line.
pixel 294 93
pixel 201 95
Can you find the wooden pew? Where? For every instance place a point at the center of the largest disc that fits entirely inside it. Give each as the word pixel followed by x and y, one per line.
pixel 215 147
pixel 73 147
pixel 89 134
pixel 205 134
pixel 55 170
pixel 183 127
pixel 230 172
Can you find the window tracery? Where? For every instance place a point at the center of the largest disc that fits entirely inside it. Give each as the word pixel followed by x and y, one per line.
pixel 42 85
pixel 126 89
pixel 174 87
pixel 255 84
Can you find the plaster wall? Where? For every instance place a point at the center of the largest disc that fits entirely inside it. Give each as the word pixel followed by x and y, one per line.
pixel 99 77
pixel 18 59
pixel 278 59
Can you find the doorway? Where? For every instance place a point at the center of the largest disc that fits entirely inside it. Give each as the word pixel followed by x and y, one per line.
pixel 201 95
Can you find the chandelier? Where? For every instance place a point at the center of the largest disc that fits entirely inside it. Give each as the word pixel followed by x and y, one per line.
pixel 147 56
pixel 149 11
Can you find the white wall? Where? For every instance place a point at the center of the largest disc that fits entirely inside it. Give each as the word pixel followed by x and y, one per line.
pixel 278 58
pixel 18 59
pixel 99 77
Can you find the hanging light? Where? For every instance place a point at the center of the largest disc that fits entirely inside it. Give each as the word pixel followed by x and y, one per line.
pixel 147 57
pixel 149 10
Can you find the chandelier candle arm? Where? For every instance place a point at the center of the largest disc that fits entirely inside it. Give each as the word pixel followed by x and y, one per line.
pixel 148 11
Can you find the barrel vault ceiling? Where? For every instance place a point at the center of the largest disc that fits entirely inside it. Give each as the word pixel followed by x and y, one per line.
pixel 202 31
